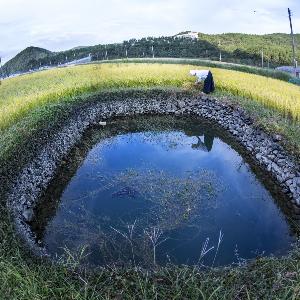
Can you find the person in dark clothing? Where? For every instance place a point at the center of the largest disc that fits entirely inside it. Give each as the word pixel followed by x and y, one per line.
pixel 209 85
pixel 207 77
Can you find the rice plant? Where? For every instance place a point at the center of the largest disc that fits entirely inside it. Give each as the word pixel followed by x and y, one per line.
pixel 20 95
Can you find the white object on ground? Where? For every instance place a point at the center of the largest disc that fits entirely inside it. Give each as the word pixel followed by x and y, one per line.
pixel 102 123
pixel 200 74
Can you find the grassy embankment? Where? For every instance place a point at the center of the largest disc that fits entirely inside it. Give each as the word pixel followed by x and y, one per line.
pixel 29 102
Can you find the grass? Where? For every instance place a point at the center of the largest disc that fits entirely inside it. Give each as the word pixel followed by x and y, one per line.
pixel 272 121
pixel 265 278
pixel 30 104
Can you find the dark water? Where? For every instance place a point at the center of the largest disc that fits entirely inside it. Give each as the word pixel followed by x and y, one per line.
pixel 156 191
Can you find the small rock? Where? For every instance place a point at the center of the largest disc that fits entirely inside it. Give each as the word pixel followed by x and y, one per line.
pixel 296 181
pixel 181 104
pixel 269 167
pixel 277 138
pixel 28 214
pixel 258 156
pixel 276 168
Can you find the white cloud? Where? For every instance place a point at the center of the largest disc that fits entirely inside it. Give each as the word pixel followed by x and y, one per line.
pixel 62 24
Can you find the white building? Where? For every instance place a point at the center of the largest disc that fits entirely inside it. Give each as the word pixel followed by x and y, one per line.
pixel 189 35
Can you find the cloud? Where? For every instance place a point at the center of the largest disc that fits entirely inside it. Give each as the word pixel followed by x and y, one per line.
pixel 57 25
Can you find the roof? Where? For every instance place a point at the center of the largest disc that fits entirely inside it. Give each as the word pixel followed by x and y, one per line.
pixel 288 69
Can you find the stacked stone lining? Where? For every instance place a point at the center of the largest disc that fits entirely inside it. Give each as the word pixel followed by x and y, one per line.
pixel 36 176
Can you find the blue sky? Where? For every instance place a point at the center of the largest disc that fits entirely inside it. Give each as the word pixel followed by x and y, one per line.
pixel 63 24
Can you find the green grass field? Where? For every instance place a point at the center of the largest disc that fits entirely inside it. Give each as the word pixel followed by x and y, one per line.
pixel 30 102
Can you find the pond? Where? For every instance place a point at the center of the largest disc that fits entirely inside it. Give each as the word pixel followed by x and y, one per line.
pixel 159 190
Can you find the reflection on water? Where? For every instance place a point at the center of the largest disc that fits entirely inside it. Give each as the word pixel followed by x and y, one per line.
pixel 153 190
pixel 206 145
pixel 205 139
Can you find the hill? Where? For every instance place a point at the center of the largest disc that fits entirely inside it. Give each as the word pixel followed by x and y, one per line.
pixel 235 47
pixel 25 60
pixel 276 47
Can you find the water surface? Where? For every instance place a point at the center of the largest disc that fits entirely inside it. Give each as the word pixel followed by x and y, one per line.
pixel 160 190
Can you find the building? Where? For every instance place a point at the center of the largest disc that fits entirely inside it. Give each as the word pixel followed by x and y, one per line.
pixel 188 34
pixel 289 69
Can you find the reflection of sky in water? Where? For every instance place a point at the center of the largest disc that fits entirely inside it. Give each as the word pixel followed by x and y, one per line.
pixel 245 211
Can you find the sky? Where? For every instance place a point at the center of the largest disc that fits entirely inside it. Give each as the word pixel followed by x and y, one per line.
pixel 63 24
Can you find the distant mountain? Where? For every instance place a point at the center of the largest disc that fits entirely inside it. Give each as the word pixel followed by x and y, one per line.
pixel 26 59
pixel 234 47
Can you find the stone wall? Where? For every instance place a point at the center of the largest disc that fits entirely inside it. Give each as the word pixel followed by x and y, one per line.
pixel 36 176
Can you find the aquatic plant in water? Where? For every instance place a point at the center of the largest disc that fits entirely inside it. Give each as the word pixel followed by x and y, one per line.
pixel 173 201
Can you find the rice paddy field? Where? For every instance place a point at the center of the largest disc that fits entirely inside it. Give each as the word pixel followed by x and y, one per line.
pixel 31 101
pixel 20 95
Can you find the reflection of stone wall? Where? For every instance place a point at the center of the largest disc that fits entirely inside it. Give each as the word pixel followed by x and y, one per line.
pixel 37 175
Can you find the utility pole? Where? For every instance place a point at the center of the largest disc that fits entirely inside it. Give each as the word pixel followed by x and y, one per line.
pixel 1 74
pixel 293 40
pixel 262 58
pixel 152 48
pixel 220 57
pixel 106 56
